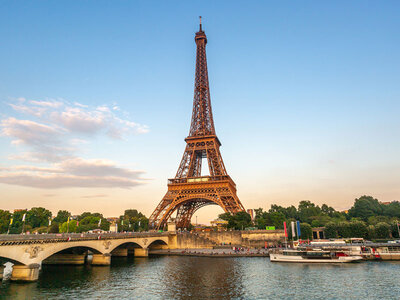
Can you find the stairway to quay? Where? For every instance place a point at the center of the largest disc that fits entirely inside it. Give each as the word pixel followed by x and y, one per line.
pixel 27 253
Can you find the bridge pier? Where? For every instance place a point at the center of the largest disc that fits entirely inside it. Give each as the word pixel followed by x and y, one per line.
pixel 101 259
pixel 140 252
pixel 25 273
pixel 120 252
pixel 65 259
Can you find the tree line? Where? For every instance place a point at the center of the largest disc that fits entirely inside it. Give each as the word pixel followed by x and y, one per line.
pixel 40 220
pixel 367 218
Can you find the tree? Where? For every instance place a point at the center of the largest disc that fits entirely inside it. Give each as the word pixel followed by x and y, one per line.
pixel 54 227
pixel 237 221
pixel 365 207
pixel 330 231
pixel 394 228
pixel 70 226
pixel 371 232
pixel 62 216
pixel 133 220
pixel 305 231
pixel 38 217
pixel 392 209
pixel 327 210
pixel 358 229
pixel 307 210
pixel 343 229
pixel 16 226
pixel 382 230
pixel 5 217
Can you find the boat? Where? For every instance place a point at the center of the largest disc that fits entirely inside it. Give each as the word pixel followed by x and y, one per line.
pixel 313 256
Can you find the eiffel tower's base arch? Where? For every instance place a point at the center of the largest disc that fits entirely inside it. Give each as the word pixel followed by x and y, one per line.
pixel 187 197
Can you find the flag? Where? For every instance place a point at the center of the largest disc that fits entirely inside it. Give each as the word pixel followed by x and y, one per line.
pixel 293 232
pixel 298 229
pixel 23 217
pixel 284 226
pixel 77 223
pixel 11 221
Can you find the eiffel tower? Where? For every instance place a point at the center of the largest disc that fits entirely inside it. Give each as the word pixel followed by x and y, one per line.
pixel 189 190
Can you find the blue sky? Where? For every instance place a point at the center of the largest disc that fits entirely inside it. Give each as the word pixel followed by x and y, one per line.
pixel 305 98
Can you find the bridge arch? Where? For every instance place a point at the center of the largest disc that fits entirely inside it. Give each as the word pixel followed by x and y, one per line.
pixel 125 243
pixel 6 259
pixel 158 244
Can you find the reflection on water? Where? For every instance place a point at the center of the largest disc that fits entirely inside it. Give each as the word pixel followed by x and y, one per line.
pixel 210 278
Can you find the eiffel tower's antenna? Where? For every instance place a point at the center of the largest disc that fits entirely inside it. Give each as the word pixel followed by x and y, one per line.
pixel 200 23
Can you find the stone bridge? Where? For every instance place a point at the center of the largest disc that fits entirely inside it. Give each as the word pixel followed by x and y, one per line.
pixel 28 252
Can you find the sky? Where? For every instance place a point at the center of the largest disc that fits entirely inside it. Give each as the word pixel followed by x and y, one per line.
pixel 96 100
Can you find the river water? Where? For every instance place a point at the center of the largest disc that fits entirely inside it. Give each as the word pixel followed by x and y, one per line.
pixel 180 277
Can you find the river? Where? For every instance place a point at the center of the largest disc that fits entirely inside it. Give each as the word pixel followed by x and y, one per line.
pixel 180 277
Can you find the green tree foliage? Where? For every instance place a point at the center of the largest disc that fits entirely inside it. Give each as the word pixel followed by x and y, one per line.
pixel 5 217
pixel 358 229
pixel 307 210
pixel 16 226
pixel 70 226
pixel 133 220
pixel 305 231
pixel 331 230
pixel 365 207
pixel 237 221
pixel 371 232
pixel 62 216
pixel 54 227
pixel 395 228
pixel 38 217
pixel 89 221
pixel 382 230
pixel 392 209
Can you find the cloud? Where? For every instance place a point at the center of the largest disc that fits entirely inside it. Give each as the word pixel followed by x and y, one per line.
pixel 50 104
pixel 59 126
pixel 77 120
pixel 51 133
pixel 75 172
pixel 95 196
pixel 96 167
pixel 66 181
pixel 29 132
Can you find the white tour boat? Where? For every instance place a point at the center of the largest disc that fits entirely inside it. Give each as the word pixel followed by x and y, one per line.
pixel 313 256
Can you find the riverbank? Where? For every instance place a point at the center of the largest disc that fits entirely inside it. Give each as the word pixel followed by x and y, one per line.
pixel 211 252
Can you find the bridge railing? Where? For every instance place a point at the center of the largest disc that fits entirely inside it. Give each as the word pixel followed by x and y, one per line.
pixel 78 236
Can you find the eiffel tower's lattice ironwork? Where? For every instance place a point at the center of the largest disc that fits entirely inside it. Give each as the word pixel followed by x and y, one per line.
pixel 189 190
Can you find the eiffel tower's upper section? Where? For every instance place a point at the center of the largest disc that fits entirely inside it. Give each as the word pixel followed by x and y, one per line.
pixel 202 119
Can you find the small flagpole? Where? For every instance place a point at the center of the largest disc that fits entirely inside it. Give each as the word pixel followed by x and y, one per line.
pixel 284 226
pixel 23 222
pixel 9 225
pixel 398 229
